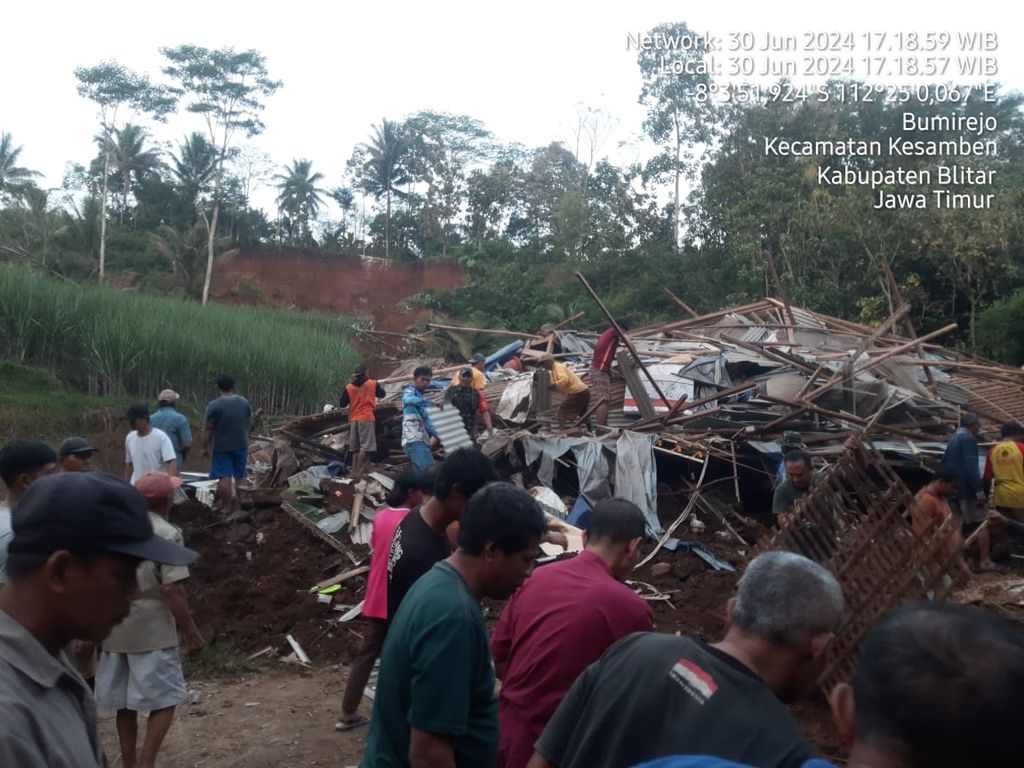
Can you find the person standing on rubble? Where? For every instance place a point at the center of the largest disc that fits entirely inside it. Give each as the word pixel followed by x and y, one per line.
pixel 409 491
pixel 360 397
pixel 418 434
pixel 930 510
pixel 1005 466
pixel 174 424
pixel 653 695
pixel 791 441
pixel 577 394
pixel 601 369
pixel 969 503
pixel 561 621
pixel 800 476
pixel 140 667
pixel 226 422
pixel 435 702
pixel 469 402
pixel 421 539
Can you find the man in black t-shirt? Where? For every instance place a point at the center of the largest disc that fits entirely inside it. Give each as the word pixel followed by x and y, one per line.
pixel 652 695
pixel 421 538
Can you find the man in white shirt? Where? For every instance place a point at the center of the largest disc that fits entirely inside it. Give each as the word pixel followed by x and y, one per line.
pixel 146 449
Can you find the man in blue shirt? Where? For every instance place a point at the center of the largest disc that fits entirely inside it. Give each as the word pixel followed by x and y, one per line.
pixel 173 424
pixel 969 503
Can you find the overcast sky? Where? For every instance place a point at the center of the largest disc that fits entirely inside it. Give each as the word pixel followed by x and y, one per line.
pixel 519 67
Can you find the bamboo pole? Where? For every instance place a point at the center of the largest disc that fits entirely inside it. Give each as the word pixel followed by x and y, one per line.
pixel 680 303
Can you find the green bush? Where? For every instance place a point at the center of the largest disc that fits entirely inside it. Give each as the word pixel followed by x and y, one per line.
pixel 125 343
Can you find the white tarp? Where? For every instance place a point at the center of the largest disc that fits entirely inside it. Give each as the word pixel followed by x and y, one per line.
pixel 635 473
pixel 515 400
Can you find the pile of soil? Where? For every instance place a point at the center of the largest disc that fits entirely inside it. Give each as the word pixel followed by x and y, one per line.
pixel 250 586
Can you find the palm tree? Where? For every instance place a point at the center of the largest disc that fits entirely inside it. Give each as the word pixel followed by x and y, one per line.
pixel 346 200
pixel 13 178
pixel 194 165
pixel 132 159
pixel 185 251
pixel 299 197
pixel 383 170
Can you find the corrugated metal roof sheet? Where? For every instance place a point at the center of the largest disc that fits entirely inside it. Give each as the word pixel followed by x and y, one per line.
pixel 450 429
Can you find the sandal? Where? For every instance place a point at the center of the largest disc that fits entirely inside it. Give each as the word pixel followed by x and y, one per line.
pixel 347 725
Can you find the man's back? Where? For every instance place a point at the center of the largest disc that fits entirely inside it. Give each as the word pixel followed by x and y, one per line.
pixel 415 547
pixel 174 425
pixel 559 622
pixel 653 695
pixel 230 416
pixel 436 676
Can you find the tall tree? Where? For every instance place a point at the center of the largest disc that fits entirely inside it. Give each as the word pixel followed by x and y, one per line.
pixel 129 158
pixel 383 169
pixel 299 196
pixel 194 165
pixel 225 87
pixel 115 88
pixel 346 201
pixel 13 177
pixel 676 117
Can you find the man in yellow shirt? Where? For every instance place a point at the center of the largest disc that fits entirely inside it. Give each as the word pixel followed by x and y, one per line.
pixel 1005 465
pixel 577 394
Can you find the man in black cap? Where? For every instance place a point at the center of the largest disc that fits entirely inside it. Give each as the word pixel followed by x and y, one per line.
pixel 75 455
pixel 78 538
pixel 21 464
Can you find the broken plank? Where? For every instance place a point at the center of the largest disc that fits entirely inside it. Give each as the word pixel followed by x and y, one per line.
pixel 351 573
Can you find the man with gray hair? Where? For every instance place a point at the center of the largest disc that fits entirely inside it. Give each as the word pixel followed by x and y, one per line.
pixel 653 695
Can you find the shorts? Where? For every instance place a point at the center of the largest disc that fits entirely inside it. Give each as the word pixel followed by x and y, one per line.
pixel 362 436
pixel 968 511
pixel 229 464
pixel 419 454
pixel 141 682
pixel 574 406
pixel 600 385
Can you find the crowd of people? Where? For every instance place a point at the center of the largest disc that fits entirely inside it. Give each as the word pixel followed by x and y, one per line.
pixel 92 566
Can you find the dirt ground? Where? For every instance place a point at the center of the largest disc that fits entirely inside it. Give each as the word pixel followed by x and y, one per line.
pixel 250 589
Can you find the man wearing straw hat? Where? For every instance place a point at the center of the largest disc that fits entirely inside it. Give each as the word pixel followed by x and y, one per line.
pixel 173 423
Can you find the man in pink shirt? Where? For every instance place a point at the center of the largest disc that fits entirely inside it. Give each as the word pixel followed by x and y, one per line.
pixel 562 620
pixel 410 490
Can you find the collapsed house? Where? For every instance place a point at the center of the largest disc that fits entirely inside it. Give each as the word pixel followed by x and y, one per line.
pixel 701 404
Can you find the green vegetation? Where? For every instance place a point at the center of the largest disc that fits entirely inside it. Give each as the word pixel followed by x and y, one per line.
pixel 126 344
pixel 711 214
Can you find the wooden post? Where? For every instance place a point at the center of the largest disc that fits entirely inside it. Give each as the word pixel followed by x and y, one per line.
pixel 680 303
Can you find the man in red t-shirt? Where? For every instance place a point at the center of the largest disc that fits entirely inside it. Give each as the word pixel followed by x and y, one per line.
pixel 562 620
pixel 601 370
pixel 360 396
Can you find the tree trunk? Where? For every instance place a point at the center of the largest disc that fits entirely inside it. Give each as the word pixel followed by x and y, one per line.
pixel 387 227
pixel 675 212
pixel 103 218
pixel 211 229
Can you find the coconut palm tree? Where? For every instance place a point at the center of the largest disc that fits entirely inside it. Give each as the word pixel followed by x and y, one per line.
pixel 383 170
pixel 13 178
pixel 194 165
pixel 299 197
pixel 346 201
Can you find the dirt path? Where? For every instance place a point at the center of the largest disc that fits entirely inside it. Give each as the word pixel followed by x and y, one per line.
pixel 277 718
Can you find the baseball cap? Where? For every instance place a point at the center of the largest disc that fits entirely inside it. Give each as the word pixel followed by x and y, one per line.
pixel 477 358
pixel 466 372
pixel 359 368
pixel 75 445
pixel 89 513
pixel 157 486
pixel 168 396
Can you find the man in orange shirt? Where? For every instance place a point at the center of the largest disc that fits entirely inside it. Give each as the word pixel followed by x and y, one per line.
pixel 1005 465
pixel 930 510
pixel 360 396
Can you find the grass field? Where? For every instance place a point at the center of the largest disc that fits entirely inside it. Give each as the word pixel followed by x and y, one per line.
pixel 123 344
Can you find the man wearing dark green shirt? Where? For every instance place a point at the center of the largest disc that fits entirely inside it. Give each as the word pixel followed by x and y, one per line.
pixel 435 702
pixel 800 478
